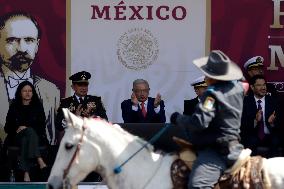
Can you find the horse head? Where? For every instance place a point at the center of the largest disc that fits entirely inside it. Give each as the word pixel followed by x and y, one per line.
pixel 73 161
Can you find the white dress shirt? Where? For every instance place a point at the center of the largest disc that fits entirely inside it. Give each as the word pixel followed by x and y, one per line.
pixel 266 131
pixel 135 108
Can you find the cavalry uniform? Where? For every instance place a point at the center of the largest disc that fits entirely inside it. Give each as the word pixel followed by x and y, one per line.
pixel 212 124
pixel 215 125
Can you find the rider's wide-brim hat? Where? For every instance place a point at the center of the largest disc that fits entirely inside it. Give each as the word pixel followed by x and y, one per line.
pixel 219 66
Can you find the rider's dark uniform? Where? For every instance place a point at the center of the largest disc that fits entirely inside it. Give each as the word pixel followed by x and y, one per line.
pixel 214 129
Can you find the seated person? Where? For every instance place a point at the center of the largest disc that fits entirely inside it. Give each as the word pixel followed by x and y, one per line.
pixel 25 126
pixel 80 103
pixel 259 119
pixel 200 87
pixel 141 108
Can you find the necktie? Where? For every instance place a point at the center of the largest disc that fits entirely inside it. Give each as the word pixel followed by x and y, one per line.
pixel 260 124
pixel 143 109
pixel 15 82
pixel 81 100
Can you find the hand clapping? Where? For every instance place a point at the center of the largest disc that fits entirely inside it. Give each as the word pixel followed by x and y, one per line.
pixel 134 99
pixel 157 100
pixel 271 118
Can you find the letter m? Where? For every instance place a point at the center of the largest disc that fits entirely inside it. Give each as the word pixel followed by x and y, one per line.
pixel 99 14
pixel 276 51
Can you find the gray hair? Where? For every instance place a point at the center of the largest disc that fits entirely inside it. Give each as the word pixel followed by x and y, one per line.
pixel 140 81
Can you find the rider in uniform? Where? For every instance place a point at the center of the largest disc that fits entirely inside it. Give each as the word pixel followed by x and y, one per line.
pixel 215 125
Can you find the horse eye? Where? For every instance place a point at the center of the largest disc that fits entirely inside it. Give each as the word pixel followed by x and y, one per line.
pixel 68 146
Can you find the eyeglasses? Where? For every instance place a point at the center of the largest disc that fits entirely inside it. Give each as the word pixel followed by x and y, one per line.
pixel 141 90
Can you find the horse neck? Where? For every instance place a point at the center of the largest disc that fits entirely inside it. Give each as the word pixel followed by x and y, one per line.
pixel 118 147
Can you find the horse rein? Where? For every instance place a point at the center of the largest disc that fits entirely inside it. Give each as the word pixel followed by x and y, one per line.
pixel 66 171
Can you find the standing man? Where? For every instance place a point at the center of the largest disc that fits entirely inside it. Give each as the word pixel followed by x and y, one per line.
pixel 80 103
pixel 200 87
pixel 19 42
pixel 141 108
pixel 214 126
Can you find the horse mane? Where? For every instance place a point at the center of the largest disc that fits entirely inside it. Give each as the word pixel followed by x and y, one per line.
pixel 123 132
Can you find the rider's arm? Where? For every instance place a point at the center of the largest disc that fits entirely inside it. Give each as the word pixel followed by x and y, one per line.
pixel 204 113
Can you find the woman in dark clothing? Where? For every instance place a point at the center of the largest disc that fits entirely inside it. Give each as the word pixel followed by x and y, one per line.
pixel 25 126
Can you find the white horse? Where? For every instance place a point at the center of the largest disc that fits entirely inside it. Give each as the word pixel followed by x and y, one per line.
pixel 96 145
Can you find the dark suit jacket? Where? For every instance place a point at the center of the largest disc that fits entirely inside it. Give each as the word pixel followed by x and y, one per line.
pixel 189 106
pixel 249 113
pixel 130 116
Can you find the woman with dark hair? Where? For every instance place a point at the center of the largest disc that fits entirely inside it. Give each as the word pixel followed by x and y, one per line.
pixel 25 126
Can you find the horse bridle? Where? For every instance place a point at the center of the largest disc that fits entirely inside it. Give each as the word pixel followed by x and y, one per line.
pixel 66 171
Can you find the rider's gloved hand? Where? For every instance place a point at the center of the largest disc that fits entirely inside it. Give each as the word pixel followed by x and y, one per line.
pixel 174 117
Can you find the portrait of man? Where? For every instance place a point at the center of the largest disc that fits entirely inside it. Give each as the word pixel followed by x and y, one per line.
pixel 20 36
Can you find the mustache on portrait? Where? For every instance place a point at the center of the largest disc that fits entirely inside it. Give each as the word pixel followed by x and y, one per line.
pixel 20 61
pixel 21 57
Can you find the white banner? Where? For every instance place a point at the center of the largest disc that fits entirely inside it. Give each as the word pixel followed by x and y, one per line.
pixel 118 42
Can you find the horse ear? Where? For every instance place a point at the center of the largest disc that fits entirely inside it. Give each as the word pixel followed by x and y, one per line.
pixel 72 119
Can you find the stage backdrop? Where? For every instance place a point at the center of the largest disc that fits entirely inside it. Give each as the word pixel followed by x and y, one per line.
pixel 120 41
pixel 50 61
pixel 244 29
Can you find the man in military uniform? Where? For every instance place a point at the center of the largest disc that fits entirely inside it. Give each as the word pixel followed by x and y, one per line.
pixel 80 103
pixel 214 126
pixel 83 105
pixel 200 87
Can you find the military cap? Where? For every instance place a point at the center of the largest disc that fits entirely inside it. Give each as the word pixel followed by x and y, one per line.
pixel 254 62
pixel 199 82
pixel 80 77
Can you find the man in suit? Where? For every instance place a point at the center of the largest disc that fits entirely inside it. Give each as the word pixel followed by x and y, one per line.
pixel 141 108
pixel 200 87
pixel 259 119
pixel 19 42
pixel 80 103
